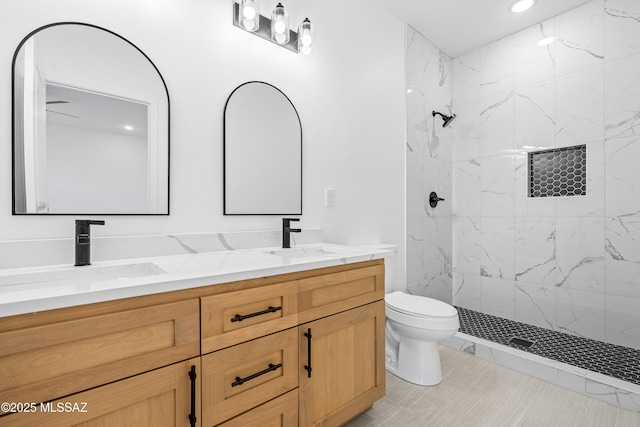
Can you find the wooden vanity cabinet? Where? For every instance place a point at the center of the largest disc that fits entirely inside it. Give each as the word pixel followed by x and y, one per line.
pixel 250 351
pixel 342 307
pixel 341 354
pixel 133 361
pixel 347 366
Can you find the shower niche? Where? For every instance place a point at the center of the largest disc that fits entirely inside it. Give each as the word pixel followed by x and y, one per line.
pixel 559 172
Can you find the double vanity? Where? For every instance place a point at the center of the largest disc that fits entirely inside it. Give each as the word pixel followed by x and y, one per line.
pixel 251 337
pixel 235 338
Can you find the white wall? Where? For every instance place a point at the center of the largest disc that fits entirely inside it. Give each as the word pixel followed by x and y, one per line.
pixel 349 94
pixel 70 55
pixel 95 171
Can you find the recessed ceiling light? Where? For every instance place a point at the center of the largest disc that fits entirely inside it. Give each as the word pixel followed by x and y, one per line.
pixel 128 127
pixel 521 5
pixel 546 41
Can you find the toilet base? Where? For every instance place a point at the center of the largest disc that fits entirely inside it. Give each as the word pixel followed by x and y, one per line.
pixel 418 362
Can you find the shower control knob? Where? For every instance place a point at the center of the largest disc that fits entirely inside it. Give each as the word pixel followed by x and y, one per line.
pixel 434 199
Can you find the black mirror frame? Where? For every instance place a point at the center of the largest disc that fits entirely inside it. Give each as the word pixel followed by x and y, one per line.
pixel 13 125
pixel 224 155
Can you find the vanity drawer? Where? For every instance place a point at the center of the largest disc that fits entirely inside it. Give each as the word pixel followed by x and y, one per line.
pixel 234 317
pixel 46 362
pixel 328 294
pixel 279 412
pixel 244 376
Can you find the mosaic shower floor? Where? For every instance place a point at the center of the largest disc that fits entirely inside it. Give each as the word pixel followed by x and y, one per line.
pixel 607 359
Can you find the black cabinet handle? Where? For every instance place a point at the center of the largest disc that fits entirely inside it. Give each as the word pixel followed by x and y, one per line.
pixel 192 377
pixel 308 366
pixel 241 317
pixel 240 381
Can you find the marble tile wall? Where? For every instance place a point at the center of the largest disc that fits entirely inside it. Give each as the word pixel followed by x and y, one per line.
pixel 39 252
pixel 570 264
pixel 429 160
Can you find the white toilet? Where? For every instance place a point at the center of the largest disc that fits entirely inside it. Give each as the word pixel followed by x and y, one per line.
pixel 414 326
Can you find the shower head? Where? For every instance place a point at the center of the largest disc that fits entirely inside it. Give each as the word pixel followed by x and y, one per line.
pixel 447 119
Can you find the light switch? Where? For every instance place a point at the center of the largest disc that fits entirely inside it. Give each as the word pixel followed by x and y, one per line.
pixel 330 197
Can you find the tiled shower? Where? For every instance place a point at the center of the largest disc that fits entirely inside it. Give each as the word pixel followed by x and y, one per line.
pixel 566 263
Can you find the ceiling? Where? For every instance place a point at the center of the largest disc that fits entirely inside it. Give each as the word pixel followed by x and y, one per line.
pixel 459 26
pixel 67 106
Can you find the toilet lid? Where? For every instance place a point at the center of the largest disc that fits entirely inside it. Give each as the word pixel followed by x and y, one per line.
pixel 418 305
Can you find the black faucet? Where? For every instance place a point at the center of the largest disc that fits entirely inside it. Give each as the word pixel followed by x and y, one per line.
pixel 287 230
pixel 83 241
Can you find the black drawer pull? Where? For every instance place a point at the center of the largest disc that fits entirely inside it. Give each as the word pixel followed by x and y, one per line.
pixel 241 317
pixel 240 381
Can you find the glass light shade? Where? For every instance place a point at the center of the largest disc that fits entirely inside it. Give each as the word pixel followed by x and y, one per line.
pixel 305 37
pixel 249 15
pixel 280 25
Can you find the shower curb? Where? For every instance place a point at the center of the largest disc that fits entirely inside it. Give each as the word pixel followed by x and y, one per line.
pixel 602 387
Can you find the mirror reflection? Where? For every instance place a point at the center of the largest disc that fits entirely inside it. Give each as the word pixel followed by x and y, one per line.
pixel 262 152
pixel 90 125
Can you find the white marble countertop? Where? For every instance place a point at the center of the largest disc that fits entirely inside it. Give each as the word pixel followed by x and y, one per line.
pixel 32 289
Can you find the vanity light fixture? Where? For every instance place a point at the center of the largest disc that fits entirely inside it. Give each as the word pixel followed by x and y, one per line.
pixel 250 15
pixel 280 25
pixel 305 37
pixel 246 15
pixel 521 6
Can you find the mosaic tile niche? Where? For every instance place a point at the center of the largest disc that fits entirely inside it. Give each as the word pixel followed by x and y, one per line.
pixel 558 172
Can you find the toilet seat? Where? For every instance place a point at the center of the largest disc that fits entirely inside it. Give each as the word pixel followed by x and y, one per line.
pixel 417 305
pixel 421 312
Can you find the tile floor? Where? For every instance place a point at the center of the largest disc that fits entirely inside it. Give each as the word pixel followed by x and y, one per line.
pixel 607 359
pixel 475 392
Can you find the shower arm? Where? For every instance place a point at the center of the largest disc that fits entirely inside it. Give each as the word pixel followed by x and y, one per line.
pixel 447 119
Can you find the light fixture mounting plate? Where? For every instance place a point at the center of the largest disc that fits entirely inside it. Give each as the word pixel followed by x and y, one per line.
pixel 264 30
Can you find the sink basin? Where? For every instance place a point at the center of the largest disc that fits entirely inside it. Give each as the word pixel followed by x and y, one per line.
pixel 83 275
pixel 298 252
pixel 305 252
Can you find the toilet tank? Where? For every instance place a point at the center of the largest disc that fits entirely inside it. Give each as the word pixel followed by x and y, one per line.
pixel 390 266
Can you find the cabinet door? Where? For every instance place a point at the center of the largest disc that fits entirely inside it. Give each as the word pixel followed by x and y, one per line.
pixel 328 294
pixel 279 412
pixel 160 398
pixel 244 376
pixel 347 365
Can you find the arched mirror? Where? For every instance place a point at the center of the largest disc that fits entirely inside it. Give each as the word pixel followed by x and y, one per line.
pixel 90 125
pixel 262 152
